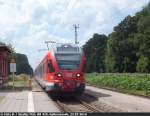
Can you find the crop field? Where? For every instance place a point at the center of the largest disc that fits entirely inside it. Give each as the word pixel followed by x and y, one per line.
pixel 137 84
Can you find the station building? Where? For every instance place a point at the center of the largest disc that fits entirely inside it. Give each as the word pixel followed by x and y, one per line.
pixel 4 64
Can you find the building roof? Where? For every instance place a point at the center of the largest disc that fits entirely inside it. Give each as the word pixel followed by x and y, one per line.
pixel 4 47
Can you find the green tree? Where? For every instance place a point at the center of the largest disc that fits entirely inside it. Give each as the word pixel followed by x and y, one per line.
pixel 109 57
pixel 142 64
pixel 120 47
pixel 95 52
pixel 23 65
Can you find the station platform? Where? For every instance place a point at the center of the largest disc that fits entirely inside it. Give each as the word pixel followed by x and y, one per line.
pixel 26 101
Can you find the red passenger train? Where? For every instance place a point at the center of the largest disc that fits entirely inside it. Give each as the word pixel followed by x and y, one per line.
pixel 62 70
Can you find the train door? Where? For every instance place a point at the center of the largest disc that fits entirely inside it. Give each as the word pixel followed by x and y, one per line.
pixel 50 70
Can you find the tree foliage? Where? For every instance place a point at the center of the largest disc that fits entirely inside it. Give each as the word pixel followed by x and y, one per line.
pixel 142 64
pixel 95 52
pixel 23 65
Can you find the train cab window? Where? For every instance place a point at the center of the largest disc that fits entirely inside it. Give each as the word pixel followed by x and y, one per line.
pixel 50 67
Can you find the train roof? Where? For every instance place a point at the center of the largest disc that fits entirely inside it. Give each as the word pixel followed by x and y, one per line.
pixel 62 49
pixel 67 48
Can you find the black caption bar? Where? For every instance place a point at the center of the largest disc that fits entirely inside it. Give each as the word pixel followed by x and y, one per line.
pixel 42 114
pixel 70 114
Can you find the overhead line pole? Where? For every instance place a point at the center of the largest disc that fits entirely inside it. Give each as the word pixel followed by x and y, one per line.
pixel 52 42
pixel 76 34
pixel 47 44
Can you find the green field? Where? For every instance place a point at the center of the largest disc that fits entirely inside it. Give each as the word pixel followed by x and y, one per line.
pixel 137 84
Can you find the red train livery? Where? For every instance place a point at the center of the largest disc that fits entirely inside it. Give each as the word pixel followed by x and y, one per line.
pixel 62 70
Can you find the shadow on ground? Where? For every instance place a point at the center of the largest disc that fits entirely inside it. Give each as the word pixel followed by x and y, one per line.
pixel 72 99
pixel 97 94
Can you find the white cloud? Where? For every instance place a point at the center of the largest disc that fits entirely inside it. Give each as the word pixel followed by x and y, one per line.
pixel 28 23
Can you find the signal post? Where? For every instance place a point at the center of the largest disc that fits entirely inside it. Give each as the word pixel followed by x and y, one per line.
pixel 13 69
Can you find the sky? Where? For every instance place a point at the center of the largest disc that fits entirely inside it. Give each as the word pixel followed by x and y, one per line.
pixel 27 24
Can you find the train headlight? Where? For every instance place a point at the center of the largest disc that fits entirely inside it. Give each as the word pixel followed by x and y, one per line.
pixel 78 75
pixel 59 75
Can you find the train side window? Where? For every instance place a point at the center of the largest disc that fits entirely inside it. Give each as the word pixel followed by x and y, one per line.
pixel 50 66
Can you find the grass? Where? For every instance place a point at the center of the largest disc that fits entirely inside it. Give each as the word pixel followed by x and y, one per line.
pixel 137 84
pixel 21 82
pixel 1 98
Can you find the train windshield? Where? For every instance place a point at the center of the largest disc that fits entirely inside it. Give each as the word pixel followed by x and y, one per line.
pixel 68 61
pixel 68 65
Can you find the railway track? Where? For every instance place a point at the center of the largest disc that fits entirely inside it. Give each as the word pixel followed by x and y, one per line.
pixel 100 105
pixel 76 105
pixel 36 87
pixel 89 106
pixel 63 107
pixel 84 103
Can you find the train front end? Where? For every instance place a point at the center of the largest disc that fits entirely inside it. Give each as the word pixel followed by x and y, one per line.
pixel 69 66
